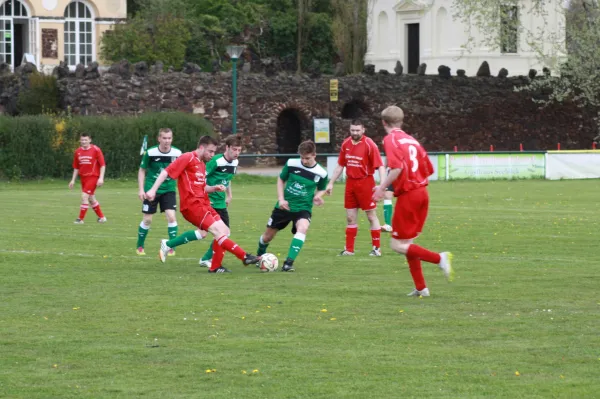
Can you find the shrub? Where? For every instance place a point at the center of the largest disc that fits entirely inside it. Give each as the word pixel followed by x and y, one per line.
pixel 41 95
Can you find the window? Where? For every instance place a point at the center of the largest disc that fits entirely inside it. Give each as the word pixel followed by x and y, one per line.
pixel 8 10
pixel 509 29
pixel 79 31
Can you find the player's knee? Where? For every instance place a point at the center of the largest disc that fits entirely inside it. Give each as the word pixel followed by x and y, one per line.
pixel 147 220
pixel 372 215
pixel 171 217
pixel 85 198
pixel 268 236
pixel 400 246
pixel 302 226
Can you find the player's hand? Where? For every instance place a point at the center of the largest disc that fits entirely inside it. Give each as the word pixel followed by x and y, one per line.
pixel 100 182
pixel 71 184
pixel 142 195
pixel 284 205
pixel 318 201
pixel 150 195
pixel 220 188
pixel 329 189
pixel 228 200
pixel 378 193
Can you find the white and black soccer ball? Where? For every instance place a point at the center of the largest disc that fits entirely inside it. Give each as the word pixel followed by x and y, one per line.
pixel 268 263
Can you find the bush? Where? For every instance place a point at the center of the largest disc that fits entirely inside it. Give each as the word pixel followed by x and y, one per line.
pixel 43 146
pixel 41 95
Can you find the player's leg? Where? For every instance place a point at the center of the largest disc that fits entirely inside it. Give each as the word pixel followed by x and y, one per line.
pixel 83 208
pixel 278 220
pixel 220 232
pixel 414 265
pixel 301 228
pixel 91 185
pixel 195 217
pixel 375 232
pixel 143 228
pixel 168 204
pixel 351 204
pixel 205 261
pixel 388 210
pixel 365 198
pixel 265 239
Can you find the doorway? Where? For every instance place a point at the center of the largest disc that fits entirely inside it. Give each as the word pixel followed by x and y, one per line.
pixel 289 133
pixel 19 42
pixel 413 52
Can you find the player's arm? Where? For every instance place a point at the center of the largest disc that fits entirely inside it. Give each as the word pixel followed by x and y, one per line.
pixel 213 189
pixel 102 167
pixel 322 187
pixel 150 194
pixel 379 191
pixel 75 174
pixel 283 204
pixel 382 175
pixel 141 180
pixel 229 195
pixel 337 172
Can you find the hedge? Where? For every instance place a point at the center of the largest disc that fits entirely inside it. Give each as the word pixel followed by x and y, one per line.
pixel 42 146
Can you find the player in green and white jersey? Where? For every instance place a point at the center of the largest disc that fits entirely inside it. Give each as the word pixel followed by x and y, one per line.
pixel 154 160
pixel 300 185
pixel 219 171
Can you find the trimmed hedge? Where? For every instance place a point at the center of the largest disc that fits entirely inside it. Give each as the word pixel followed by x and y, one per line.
pixel 42 146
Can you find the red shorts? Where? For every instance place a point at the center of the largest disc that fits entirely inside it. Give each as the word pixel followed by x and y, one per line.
pixel 359 194
pixel 410 214
pixel 201 215
pixel 89 184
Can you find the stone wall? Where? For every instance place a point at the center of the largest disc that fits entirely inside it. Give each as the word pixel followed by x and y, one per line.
pixel 275 112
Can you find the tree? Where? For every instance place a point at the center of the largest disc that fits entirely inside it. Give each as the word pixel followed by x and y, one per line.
pixel 350 32
pixel 571 49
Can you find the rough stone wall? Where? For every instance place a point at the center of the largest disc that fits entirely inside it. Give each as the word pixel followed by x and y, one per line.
pixel 470 113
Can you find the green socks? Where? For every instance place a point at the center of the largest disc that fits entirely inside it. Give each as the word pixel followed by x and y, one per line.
pixel 209 254
pixel 296 245
pixel 142 233
pixel 172 230
pixel 192 235
pixel 262 247
pixel 387 211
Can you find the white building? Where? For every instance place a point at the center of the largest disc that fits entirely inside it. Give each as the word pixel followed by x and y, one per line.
pixel 424 31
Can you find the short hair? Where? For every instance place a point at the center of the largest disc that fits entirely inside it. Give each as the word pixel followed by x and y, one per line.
pixel 357 122
pixel 233 141
pixel 307 147
pixel 207 140
pixel 84 134
pixel 393 115
pixel 164 130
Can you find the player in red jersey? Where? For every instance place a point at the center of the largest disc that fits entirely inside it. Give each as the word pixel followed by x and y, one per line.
pixel 89 164
pixel 190 172
pixel 410 169
pixel 360 156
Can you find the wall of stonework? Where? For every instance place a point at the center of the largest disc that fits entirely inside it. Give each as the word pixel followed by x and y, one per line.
pixel 276 112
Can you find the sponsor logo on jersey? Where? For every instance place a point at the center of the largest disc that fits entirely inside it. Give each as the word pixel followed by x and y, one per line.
pixel 298 186
pixel 296 171
pixel 224 170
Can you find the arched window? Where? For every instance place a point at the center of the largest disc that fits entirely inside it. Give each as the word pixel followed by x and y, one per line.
pixel 8 11
pixel 443 31
pixel 79 33
pixel 383 33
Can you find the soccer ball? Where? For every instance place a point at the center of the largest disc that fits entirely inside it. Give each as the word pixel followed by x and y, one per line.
pixel 269 263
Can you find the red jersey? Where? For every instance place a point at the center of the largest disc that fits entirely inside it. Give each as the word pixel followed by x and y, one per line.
pixel 190 173
pixel 404 152
pixel 89 161
pixel 360 159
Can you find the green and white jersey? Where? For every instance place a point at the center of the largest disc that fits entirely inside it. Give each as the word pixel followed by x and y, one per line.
pixel 219 171
pixel 154 161
pixel 302 183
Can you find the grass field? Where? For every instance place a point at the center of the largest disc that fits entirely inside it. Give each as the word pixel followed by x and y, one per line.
pixel 81 316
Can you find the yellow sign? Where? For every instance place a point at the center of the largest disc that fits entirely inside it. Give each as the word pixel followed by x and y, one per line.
pixel 333 89
pixel 322 132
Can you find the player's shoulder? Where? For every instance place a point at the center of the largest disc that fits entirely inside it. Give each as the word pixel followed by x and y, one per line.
pixel 152 151
pixel 175 152
pixel 346 141
pixel 319 170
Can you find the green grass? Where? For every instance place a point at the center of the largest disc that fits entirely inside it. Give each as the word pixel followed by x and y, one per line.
pixel 82 316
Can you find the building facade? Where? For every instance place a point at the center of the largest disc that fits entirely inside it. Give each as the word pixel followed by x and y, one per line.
pixel 424 31
pixel 45 32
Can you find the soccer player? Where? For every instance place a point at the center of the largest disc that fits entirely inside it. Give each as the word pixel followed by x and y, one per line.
pixel 409 171
pixel 300 184
pixel 190 171
pixel 220 170
pixel 360 156
pixel 88 163
pixel 154 160
pixel 388 208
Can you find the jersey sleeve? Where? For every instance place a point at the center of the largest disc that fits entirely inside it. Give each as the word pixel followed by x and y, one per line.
pixel 341 157
pixel 177 167
pixel 285 173
pixel 145 161
pixel 100 157
pixel 375 155
pixel 322 185
pixel 393 152
pixel 75 161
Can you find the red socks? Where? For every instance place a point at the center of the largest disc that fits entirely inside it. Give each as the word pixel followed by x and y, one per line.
pixel 415 251
pixel 232 247
pixel 376 237
pixel 351 232
pixel 82 210
pixel 96 208
pixel 218 255
pixel 416 271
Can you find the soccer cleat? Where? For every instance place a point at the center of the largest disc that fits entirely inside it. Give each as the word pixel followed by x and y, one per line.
pixel 140 251
pixel 446 265
pixel 288 266
pixel 171 252
pixel 346 253
pixel 250 259
pixel 163 251
pixel 423 292
pixel 205 263
pixel 78 221
pixel 102 219
pixel 386 228
pixel 375 252
pixel 220 270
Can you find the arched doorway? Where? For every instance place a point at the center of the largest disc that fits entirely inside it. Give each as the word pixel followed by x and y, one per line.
pixel 17 32
pixel 289 132
pixel 354 109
